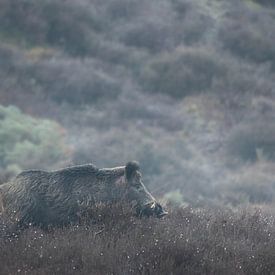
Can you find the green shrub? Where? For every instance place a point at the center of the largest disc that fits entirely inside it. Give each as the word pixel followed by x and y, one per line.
pixel 174 198
pixel 26 142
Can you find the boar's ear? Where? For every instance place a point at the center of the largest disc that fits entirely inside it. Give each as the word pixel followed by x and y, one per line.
pixel 130 169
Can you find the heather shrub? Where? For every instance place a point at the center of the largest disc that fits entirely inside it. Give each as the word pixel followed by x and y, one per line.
pixel 74 81
pixel 248 34
pixel 185 71
pixel 15 86
pixel 252 140
pixel 253 184
pixel 268 3
pixel 188 241
pixel 8 57
pixel 123 9
pixel 27 142
pixel 191 24
pixel 68 25
pixel 115 54
pixel 20 22
pixel 152 33
pixel 243 90
pixel 185 23
pixel 151 36
pixel 44 75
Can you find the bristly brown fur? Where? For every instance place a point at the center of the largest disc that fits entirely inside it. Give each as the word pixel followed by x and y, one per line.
pixel 56 198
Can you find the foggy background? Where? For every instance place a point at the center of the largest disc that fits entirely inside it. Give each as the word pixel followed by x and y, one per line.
pixel 184 87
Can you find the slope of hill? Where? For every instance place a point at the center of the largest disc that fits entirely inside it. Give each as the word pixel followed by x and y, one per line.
pixel 183 86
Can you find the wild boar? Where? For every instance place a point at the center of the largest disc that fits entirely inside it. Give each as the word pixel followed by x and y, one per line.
pixel 56 198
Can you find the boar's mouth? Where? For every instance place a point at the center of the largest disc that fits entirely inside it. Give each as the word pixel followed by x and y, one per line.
pixel 151 209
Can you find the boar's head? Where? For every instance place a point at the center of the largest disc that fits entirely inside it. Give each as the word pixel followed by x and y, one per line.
pixel 145 203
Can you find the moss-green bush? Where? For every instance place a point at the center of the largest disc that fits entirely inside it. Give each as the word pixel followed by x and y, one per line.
pixel 26 142
pixel 174 198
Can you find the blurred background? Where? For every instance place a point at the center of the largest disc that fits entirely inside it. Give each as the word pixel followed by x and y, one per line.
pixel 186 87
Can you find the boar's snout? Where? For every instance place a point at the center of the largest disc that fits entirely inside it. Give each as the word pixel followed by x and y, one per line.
pixel 151 209
pixel 160 212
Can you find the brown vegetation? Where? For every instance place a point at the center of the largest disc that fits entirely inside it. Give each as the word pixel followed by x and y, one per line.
pixel 187 241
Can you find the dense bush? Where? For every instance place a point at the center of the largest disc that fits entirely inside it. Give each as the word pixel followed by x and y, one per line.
pixel 248 34
pixel 123 9
pixel 149 36
pixel 42 74
pixel 188 241
pixel 185 71
pixel 252 140
pixel 268 3
pixel 64 24
pixel 75 81
pixel 27 142
pixel 192 25
pixel 253 184
pixel 149 33
pixel 8 56
pixel 184 23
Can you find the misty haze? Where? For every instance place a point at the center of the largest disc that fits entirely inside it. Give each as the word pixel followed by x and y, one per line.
pixel 164 110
